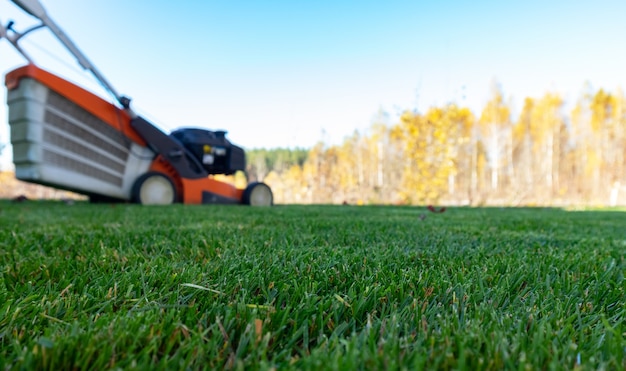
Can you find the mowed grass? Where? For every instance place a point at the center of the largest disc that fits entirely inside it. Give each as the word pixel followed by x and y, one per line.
pixel 310 287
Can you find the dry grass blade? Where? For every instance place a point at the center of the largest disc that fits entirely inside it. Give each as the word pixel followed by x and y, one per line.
pixel 194 286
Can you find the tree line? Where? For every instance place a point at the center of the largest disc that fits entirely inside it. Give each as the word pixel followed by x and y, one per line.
pixel 547 155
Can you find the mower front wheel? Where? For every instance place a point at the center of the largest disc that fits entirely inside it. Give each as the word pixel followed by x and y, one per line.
pixel 153 189
pixel 258 194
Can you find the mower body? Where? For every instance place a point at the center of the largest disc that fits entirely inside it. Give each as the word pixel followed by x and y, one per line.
pixel 66 137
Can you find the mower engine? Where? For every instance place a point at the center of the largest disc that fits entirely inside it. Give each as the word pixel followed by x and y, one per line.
pixel 216 154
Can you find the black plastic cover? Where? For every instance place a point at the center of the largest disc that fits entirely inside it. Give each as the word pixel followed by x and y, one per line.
pixel 211 148
pixel 171 149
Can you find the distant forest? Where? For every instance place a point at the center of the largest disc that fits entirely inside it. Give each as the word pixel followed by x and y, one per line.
pixel 451 155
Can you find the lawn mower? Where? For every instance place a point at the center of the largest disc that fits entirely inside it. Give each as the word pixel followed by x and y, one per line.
pixel 66 137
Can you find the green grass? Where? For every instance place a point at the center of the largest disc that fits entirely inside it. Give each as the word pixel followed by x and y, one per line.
pixel 310 287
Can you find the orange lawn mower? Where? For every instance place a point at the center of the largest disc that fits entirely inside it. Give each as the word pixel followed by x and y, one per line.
pixel 66 137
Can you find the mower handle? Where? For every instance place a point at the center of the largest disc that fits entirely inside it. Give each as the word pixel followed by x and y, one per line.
pixel 34 8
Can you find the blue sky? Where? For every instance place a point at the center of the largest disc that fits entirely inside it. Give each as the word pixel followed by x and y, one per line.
pixel 291 73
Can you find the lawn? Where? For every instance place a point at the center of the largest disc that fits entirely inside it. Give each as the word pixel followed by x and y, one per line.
pixel 310 287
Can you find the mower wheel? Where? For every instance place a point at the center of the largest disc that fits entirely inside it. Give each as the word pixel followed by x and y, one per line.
pixel 258 194
pixel 153 189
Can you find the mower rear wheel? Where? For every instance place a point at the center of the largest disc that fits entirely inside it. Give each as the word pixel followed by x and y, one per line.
pixel 153 189
pixel 258 194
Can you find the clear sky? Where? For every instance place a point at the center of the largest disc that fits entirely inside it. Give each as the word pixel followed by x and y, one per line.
pixel 291 73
